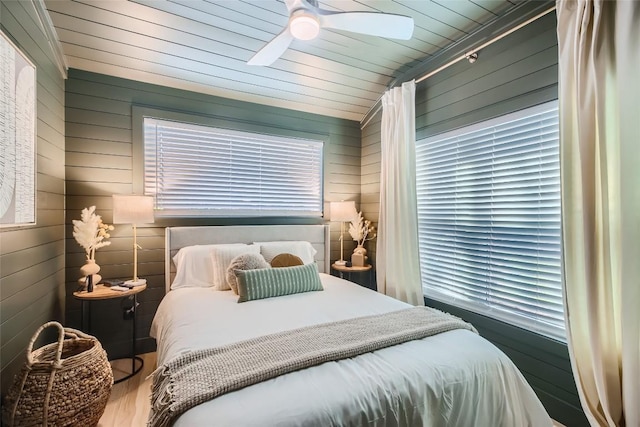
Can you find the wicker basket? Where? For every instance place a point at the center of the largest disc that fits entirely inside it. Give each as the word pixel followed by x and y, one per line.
pixel 66 383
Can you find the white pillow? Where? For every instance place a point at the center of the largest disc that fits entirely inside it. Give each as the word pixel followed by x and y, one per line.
pixel 244 262
pixel 304 250
pixel 193 266
pixel 221 257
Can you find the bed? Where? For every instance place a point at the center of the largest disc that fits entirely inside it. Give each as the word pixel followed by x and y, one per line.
pixel 455 378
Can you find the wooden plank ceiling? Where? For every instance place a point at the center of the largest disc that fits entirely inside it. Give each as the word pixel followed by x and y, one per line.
pixel 203 46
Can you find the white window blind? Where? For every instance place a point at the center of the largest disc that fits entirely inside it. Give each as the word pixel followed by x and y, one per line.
pixel 195 170
pixel 489 219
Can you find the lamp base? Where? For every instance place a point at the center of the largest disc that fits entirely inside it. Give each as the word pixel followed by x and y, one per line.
pixel 341 262
pixel 138 282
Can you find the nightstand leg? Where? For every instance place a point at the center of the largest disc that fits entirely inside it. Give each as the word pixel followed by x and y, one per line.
pixel 134 337
pixel 85 316
pixel 133 343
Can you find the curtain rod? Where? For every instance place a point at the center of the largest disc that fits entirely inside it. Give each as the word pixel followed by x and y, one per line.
pixel 485 44
pixel 466 55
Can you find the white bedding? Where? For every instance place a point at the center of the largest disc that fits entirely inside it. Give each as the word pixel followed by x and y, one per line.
pixel 452 379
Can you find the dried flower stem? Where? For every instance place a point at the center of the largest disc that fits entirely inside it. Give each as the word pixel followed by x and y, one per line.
pixel 361 230
pixel 90 232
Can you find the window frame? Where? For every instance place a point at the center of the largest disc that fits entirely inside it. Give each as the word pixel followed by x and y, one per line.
pixel 139 113
pixel 460 303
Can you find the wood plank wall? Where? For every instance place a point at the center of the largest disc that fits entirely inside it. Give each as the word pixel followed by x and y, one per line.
pixel 370 178
pixel 32 258
pixel 99 163
pixel 517 72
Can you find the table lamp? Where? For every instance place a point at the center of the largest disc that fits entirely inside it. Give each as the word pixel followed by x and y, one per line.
pixel 133 209
pixel 343 212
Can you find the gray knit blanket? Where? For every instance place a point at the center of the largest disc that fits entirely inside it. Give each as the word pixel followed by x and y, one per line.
pixel 198 376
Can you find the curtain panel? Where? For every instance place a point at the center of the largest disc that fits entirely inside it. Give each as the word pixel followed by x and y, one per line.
pixel 398 263
pixel 599 89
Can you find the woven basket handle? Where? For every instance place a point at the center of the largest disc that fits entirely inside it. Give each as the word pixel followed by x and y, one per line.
pixel 74 333
pixel 30 360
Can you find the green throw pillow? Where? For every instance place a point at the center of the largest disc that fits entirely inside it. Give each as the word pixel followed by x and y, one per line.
pixel 275 282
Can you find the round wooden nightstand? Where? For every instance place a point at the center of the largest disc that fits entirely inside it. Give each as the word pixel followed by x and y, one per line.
pixel 343 269
pixel 352 269
pixel 105 292
pixel 100 293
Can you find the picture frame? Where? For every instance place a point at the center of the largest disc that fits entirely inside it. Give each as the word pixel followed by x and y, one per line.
pixel 18 135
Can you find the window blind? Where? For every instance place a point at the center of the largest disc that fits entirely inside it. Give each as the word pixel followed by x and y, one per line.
pixel 195 170
pixel 489 219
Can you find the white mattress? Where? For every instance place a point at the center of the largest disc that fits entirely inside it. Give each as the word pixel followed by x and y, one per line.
pixel 451 379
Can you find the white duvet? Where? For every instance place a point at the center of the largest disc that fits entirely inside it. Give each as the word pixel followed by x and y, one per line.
pixel 452 379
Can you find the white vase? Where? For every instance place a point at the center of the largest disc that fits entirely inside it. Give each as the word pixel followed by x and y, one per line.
pixel 90 268
pixel 359 257
pixel 360 250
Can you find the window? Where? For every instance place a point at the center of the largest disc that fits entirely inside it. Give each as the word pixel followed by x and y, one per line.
pixel 489 219
pixel 195 170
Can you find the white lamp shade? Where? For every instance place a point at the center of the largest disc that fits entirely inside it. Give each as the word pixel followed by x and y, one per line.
pixel 132 209
pixel 343 211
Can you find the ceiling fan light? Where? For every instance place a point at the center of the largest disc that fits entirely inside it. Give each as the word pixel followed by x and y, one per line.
pixel 304 27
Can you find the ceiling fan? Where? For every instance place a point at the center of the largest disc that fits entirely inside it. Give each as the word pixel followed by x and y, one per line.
pixel 306 19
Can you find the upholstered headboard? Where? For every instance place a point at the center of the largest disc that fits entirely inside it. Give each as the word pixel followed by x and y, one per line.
pixel 178 237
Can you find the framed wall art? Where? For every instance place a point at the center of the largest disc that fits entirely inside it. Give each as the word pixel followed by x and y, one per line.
pixel 17 136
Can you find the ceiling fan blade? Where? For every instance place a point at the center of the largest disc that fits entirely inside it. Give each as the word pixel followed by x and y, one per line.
pixel 293 4
pixel 272 50
pixel 370 23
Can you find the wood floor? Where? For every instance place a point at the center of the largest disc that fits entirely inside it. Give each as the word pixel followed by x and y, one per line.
pixel 129 403
pixel 130 400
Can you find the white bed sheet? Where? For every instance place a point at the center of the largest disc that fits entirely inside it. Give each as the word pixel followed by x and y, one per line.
pixel 452 379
